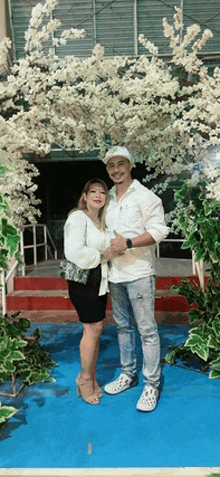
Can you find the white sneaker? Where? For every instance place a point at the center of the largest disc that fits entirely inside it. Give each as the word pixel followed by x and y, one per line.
pixel 122 383
pixel 148 399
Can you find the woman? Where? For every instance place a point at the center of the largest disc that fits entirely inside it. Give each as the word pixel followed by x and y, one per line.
pixel 87 245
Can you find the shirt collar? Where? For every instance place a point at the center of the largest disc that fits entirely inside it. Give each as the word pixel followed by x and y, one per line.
pixel 133 186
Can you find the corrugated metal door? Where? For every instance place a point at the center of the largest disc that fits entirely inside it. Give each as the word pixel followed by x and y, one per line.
pixel 111 23
pixel 76 14
pixel 21 13
pixel 207 14
pixel 115 26
pixel 72 14
pixel 150 22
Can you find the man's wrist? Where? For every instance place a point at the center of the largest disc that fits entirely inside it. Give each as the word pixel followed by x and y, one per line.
pixel 129 243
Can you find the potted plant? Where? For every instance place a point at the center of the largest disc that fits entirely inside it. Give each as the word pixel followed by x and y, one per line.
pixel 198 217
pixel 22 358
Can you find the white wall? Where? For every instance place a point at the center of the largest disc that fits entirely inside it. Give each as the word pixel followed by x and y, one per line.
pixel 2 19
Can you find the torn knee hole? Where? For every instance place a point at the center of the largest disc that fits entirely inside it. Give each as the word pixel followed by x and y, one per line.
pixel 139 297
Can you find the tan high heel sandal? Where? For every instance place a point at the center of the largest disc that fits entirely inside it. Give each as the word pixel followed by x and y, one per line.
pixel 98 390
pixel 86 390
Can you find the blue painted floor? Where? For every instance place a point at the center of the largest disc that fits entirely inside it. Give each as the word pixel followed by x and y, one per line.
pixel 56 429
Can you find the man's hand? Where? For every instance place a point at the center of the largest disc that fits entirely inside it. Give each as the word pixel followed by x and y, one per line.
pixel 118 244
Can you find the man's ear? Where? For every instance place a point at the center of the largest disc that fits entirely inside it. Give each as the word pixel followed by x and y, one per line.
pixel 131 166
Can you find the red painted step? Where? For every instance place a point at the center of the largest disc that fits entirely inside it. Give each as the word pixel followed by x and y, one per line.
pixel 58 301
pixel 51 294
pixel 52 283
pixel 56 283
pixel 44 298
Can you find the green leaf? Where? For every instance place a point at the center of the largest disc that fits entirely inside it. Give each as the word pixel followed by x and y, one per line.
pixel 6 412
pixel 214 374
pixel 12 244
pixel 213 343
pixel 17 356
pixel 193 341
pixel 202 352
pixel 216 327
pixel 4 376
pixel 170 357
pixel 7 229
pixel 216 364
pixel 194 316
pixel 9 367
pixel 11 235
pixel 20 344
pixel 24 325
pixel 37 334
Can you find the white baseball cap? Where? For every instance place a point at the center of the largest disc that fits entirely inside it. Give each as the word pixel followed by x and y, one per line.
pixel 117 151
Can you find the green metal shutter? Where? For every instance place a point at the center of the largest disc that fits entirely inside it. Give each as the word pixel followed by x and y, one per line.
pixel 21 13
pixel 115 26
pixel 72 14
pixel 206 13
pixel 150 22
pixel 111 22
pixel 76 14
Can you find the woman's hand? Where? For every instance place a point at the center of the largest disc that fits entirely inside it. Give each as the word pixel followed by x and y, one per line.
pixel 111 253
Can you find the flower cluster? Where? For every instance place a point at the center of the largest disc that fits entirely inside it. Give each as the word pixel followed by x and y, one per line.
pixel 167 115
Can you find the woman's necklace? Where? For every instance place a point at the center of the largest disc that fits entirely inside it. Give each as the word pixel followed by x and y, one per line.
pixel 94 219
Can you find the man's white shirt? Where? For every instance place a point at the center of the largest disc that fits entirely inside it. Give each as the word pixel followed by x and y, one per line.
pixel 138 211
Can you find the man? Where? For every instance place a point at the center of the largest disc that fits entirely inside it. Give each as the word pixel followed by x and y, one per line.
pixel 137 215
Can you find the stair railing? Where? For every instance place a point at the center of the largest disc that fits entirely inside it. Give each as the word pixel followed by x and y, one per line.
pixel 197 266
pixel 36 245
pixel 4 280
pixel 5 276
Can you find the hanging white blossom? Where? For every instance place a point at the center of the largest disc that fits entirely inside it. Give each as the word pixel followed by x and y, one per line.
pixel 166 119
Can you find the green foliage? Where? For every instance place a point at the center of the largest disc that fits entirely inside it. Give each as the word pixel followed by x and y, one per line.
pixel 9 237
pixel 199 221
pixel 6 412
pixel 20 357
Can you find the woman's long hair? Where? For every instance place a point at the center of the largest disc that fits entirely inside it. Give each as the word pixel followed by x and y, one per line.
pixel 82 203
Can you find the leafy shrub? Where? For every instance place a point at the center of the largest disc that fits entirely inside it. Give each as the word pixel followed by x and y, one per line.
pixel 199 221
pixel 20 357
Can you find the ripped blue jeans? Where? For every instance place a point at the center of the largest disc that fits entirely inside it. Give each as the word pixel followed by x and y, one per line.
pixel 135 301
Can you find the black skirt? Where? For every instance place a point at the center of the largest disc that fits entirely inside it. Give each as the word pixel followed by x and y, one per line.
pixel 90 307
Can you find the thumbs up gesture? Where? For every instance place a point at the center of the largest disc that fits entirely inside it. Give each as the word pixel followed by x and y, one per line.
pixel 118 243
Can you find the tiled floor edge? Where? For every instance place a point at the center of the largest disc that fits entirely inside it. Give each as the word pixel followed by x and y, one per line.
pixel 118 472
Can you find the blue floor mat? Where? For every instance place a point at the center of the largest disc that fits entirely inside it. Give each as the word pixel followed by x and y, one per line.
pixel 56 429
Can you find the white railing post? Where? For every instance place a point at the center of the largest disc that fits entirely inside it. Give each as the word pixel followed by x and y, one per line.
pixel 198 268
pixel 22 253
pixel 35 244
pixel 158 250
pixel 53 244
pixel 45 242
pixel 193 263
pixel 4 296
